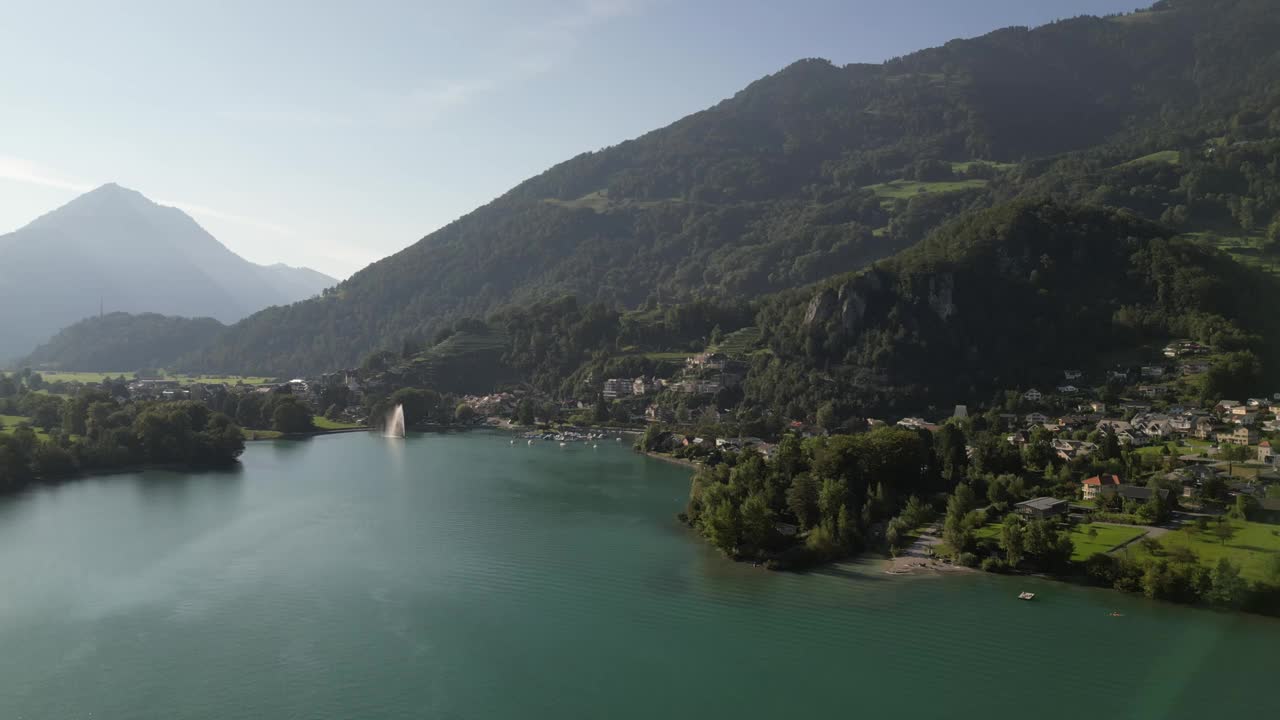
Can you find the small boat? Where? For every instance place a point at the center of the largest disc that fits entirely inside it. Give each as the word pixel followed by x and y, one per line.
pixel 595 445
pixel 530 442
pixel 564 444
pixel 1116 614
pixel 1026 596
pixel 512 442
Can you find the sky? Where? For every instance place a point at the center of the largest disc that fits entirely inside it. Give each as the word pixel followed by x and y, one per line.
pixel 331 134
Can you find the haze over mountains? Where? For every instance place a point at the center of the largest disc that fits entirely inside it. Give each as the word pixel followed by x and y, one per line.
pixel 113 245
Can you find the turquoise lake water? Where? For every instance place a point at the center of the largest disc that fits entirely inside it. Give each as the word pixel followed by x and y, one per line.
pixel 458 576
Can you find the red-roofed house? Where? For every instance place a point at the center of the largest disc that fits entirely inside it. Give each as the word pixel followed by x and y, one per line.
pixel 1092 486
pixel 1266 454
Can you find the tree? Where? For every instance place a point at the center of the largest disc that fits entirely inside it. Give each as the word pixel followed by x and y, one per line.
pixel 525 412
pixel 826 416
pixel 1228 587
pixel 757 521
pixel 1244 506
pixel 951 448
pixel 464 414
pixel 1234 453
pixel 1013 539
pixel 420 405
pixel 1232 375
pixel 802 499
pixel 896 533
pixel 722 525
pixel 1224 531
pixel 291 415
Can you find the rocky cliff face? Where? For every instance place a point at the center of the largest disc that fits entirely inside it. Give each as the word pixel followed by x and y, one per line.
pixel 857 303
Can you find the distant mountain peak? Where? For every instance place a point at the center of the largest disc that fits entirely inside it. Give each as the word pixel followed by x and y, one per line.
pixel 115 247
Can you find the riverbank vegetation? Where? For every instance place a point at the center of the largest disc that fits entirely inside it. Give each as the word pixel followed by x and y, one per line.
pixel 824 498
pixel 95 431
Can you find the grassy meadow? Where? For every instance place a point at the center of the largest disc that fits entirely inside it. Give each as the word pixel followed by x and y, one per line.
pixel 1251 548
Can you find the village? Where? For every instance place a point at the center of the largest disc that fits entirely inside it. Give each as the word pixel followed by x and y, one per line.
pixel 1149 409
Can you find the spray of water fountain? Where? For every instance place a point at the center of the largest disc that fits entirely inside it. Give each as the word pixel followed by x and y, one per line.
pixel 395 423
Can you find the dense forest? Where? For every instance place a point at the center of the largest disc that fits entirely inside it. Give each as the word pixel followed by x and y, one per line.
pixel 819 170
pixel 1005 298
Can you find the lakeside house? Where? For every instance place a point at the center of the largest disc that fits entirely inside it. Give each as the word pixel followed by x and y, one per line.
pixel 1042 508
pixel 1090 487
pixel 1032 395
pixel 1243 436
pixel 707 361
pixel 1266 455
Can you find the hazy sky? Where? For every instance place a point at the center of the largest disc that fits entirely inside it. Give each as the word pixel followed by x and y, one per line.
pixel 331 134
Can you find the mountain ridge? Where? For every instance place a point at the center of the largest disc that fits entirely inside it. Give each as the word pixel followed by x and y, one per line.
pixel 113 247
pixel 790 180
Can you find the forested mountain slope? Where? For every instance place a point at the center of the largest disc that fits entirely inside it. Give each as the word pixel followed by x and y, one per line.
pixel 810 172
pixel 113 247
pixel 120 342
pixel 1005 298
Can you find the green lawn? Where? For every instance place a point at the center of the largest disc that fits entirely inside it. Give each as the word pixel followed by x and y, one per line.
pixel 12 421
pixel 739 343
pixel 674 356
pixel 1244 249
pixel 1253 544
pixel 1108 537
pixel 324 423
pixel 1187 447
pixel 216 379
pixel 904 189
pixel 262 434
pixel 961 167
pixel 1170 157
pixel 81 377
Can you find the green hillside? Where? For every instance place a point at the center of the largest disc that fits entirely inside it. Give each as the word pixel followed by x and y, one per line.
pixel 1006 298
pixel 120 341
pixel 818 170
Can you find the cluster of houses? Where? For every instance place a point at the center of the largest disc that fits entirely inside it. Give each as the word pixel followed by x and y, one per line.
pixel 704 374
pixel 671 441
pixel 493 404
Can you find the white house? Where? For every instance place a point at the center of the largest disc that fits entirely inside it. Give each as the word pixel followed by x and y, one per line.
pixel 617 387
pixel 1266 455
pixel 1032 395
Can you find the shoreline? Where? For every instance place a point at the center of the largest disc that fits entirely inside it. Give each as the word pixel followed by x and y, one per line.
pixel 918 558
pixel 669 459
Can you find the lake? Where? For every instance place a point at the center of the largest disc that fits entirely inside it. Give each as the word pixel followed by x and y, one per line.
pixel 458 576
